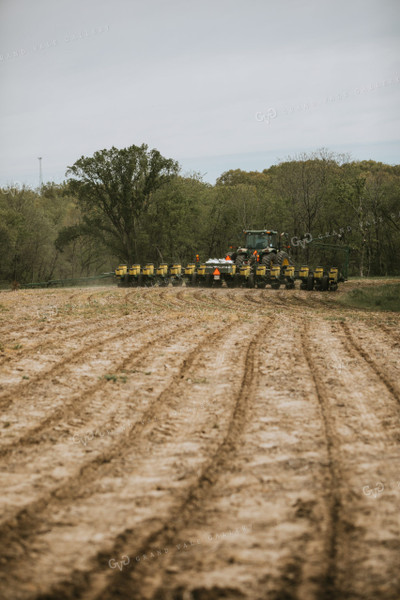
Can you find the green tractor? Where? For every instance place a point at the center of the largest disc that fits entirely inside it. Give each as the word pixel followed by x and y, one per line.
pixel 263 246
pixel 262 252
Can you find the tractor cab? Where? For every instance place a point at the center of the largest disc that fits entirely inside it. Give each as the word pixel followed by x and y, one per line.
pixel 258 239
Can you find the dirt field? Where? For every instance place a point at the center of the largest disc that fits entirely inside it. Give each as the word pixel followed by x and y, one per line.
pixel 197 444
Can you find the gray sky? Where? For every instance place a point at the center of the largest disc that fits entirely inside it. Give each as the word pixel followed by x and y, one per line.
pixel 216 85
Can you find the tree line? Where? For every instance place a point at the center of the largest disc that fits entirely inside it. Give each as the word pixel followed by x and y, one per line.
pixel 134 205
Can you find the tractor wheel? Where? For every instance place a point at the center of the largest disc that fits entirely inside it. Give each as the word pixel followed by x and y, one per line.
pixel 240 260
pixel 231 282
pixel 267 259
pixel 325 283
pixel 282 259
pixel 289 285
pixel 261 285
pixel 333 287
pixel 310 283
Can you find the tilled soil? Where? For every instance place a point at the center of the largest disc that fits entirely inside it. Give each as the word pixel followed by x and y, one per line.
pixel 195 444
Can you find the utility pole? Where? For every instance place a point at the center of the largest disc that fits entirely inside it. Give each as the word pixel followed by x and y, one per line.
pixel 40 173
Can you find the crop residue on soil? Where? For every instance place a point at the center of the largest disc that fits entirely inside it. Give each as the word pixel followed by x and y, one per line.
pixel 198 444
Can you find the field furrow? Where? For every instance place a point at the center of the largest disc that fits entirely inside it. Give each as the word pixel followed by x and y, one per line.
pixel 191 444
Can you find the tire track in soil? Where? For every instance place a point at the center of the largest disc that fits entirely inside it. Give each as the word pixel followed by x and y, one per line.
pixel 313 300
pixel 331 305
pixel 23 523
pixel 80 399
pixel 394 335
pixel 220 300
pixel 287 308
pixel 385 379
pixel 367 434
pixel 370 420
pixel 298 301
pixel 188 299
pixel 127 584
pixel 62 328
pixel 44 345
pixel 194 301
pixel 181 296
pixel 70 409
pixel 18 389
pixel 253 300
pixel 263 303
pixel 237 301
pixel 22 328
pixel 137 294
pixel 222 296
pixel 206 301
pixel 328 590
pixel 274 299
pixel 64 338
pixel 268 300
pixel 167 300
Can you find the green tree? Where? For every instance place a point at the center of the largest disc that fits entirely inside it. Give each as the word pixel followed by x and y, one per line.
pixel 114 188
pixel 175 221
pixel 26 236
pixel 301 188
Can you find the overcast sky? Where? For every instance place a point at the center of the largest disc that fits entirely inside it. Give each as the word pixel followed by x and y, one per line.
pixel 214 84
